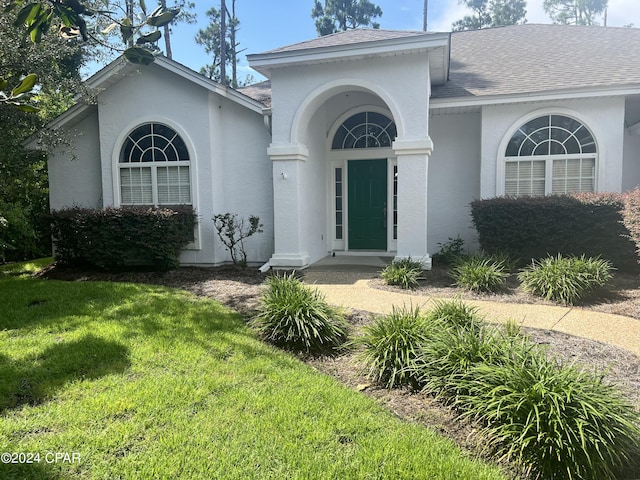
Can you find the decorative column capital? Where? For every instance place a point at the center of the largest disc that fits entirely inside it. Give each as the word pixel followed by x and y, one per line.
pixel 288 151
pixel 409 146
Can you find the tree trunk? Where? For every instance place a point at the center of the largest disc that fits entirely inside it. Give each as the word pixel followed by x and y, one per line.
pixel 223 43
pixel 166 34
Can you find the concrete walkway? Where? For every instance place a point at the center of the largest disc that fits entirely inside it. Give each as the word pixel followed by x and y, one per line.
pixel 348 286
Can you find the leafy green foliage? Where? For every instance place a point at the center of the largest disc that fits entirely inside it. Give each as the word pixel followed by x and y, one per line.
pixel 575 12
pixel 480 273
pixel 38 17
pixel 534 227
pixel 455 313
pixel 391 344
pixel 565 279
pixel 450 251
pixel 233 231
pixel 340 15
pixel 404 273
pixel 296 317
pixel 211 39
pixel 24 193
pixel 117 238
pixel 491 13
pixel 555 421
pixel 558 422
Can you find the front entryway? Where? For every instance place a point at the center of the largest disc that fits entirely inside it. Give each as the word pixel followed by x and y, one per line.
pixel 367 196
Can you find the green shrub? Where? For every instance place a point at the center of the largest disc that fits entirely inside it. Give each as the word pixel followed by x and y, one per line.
pixel 480 273
pixel 117 238
pixel 534 227
pixel 456 314
pixel 296 317
pixel 450 251
pixel 391 344
pixel 404 273
pixel 558 422
pixel 565 279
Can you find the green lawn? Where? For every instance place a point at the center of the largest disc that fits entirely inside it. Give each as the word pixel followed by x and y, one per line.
pixel 148 382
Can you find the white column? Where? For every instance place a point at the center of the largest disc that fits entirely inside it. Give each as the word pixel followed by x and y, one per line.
pixel 288 160
pixel 413 174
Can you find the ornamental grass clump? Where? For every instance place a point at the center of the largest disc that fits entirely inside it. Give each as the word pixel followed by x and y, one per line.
pixel 296 317
pixel 480 273
pixel 391 345
pixel 404 273
pixel 455 314
pixel 556 421
pixel 565 279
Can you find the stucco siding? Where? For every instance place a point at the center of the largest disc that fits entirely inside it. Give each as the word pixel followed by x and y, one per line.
pixel 230 170
pixel 243 172
pixel 300 91
pixel 631 172
pixel 603 116
pixel 74 170
pixel 454 178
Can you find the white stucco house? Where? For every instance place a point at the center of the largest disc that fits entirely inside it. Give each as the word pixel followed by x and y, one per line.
pixel 365 141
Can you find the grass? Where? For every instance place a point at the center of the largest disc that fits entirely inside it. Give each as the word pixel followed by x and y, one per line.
pixel 147 382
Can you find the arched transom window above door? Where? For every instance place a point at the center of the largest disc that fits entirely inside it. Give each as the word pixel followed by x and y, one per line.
pixel 549 155
pixel 154 167
pixel 365 130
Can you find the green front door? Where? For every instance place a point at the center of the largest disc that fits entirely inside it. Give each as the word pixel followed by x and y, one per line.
pixel 367 205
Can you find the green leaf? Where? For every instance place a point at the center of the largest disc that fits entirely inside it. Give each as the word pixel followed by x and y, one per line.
pixel 143 7
pixel 149 38
pixel 126 29
pixel 162 19
pixel 3 83
pixel 139 55
pixel 28 108
pixel 26 84
pixel 28 11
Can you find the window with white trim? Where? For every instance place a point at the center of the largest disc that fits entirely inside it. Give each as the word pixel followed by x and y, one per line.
pixel 154 167
pixel 365 130
pixel 549 155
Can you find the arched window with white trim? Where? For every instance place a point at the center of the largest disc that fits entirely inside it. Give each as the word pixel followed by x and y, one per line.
pixel 365 130
pixel 549 155
pixel 154 167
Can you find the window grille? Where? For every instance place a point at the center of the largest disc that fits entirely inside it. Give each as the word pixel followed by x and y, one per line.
pixel 551 154
pixel 154 167
pixel 365 130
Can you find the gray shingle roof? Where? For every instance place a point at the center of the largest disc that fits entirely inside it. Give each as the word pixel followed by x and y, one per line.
pixel 349 37
pixel 514 60
pixel 538 58
pixel 260 92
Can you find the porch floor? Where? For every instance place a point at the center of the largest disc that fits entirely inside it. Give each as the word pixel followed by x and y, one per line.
pixel 348 263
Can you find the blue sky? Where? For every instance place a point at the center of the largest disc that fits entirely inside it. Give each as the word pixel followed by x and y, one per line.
pixel 265 25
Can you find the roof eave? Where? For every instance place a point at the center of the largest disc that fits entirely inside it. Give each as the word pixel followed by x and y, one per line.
pixel 265 62
pixel 550 95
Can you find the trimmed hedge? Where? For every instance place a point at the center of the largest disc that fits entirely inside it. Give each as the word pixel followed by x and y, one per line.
pixel 571 225
pixel 117 238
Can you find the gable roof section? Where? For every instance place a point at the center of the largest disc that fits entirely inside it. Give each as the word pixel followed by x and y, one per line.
pixel 357 44
pixel 523 60
pixel 120 67
pixel 529 59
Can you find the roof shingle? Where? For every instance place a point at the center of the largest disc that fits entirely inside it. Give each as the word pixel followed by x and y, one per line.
pixel 512 60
